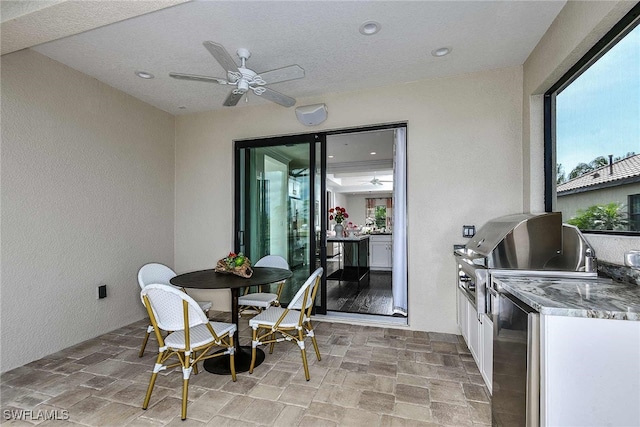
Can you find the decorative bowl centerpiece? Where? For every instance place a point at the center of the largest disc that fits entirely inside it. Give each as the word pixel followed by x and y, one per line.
pixel 237 264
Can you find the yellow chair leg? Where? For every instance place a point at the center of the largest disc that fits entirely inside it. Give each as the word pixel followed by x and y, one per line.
pixel 144 345
pixel 304 356
pixel 253 351
pixel 315 343
pixel 152 382
pixel 232 360
pixel 273 343
pixel 185 391
pixel 185 388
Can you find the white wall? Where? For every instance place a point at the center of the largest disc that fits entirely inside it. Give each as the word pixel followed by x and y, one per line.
pixel 356 205
pixel 578 26
pixel 464 167
pixel 87 197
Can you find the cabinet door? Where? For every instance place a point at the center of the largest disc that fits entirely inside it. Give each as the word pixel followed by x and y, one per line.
pixel 380 255
pixel 463 311
pixel 474 333
pixel 486 337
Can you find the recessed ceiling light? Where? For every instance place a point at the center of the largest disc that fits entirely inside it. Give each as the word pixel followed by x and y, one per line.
pixel 331 157
pixel 144 75
pixel 441 51
pixel 373 153
pixel 369 28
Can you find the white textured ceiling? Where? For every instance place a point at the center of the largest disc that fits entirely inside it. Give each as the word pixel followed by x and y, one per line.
pixel 320 36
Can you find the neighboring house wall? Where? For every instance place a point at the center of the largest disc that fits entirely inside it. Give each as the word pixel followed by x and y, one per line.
pixel 87 197
pixel 570 204
pixel 464 167
pixel 578 26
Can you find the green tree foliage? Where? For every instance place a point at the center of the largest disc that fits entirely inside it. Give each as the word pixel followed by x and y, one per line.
pixel 381 216
pixel 560 176
pixel 583 168
pixel 611 216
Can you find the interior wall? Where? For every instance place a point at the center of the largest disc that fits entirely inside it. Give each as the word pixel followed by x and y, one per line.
pixel 356 205
pixel 577 28
pixel 87 198
pixel 464 167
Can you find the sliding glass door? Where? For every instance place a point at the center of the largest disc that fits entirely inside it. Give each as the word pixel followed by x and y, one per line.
pixel 278 183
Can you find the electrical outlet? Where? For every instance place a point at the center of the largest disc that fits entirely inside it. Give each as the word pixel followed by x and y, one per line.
pixel 102 291
pixel 468 231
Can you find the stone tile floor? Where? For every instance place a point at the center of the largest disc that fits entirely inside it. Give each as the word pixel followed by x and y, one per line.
pixel 368 376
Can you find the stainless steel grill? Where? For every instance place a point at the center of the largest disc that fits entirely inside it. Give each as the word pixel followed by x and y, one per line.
pixel 521 243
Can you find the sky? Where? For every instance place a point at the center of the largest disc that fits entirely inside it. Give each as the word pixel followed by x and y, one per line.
pixel 599 113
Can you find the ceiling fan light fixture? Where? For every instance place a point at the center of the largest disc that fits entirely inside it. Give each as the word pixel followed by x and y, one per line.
pixel 144 75
pixel 369 28
pixel 442 51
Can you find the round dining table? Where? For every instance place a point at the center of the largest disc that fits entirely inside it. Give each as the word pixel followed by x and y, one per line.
pixel 210 279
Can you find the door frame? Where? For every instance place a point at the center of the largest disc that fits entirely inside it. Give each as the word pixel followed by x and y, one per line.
pixel 316 137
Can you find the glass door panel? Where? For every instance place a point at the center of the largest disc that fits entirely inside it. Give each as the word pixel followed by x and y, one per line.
pixel 276 213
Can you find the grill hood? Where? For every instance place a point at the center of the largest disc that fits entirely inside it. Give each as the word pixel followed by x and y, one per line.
pixel 527 241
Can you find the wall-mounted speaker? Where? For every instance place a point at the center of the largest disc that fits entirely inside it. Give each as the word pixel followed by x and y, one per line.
pixel 312 115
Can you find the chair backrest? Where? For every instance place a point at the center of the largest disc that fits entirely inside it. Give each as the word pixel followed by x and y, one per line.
pixel 168 307
pixel 297 302
pixel 155 273
pixel 275 261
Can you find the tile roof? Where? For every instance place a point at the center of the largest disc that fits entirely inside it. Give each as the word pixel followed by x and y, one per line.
pixel 625 169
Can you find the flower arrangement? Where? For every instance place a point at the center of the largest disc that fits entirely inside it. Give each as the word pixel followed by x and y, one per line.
pixel 338 214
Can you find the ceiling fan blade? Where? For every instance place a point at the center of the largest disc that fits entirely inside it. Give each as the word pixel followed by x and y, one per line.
pixel 222 56
pixel 232 99
pixel 292 72
pixel 198 78
pixel 277 97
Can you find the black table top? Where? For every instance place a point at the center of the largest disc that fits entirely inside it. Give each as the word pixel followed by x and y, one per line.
pixel 209 279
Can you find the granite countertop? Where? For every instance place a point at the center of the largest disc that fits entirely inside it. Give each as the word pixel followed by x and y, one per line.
pixel 600 298
pixel 347 239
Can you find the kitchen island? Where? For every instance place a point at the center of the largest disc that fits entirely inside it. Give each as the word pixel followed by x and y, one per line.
pixel 589 347
pixel 354 266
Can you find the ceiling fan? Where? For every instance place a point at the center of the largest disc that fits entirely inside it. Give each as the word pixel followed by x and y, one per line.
pixel 245 79
pixel 376 181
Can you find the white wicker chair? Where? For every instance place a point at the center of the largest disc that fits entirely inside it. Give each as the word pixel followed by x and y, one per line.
pixel 259 301
pixel 288 324
pixel 159 273
pixel 191 339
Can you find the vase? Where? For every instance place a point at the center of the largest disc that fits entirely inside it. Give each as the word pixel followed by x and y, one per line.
pixel 339 229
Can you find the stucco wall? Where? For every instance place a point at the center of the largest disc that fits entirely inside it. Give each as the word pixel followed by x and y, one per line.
pixel 87 197
pixel 464 167
pixel 578 26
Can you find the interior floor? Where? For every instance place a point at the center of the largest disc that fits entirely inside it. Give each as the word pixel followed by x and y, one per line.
pixel 373 297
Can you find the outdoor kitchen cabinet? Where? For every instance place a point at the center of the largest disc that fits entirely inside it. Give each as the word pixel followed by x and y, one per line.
pixel 477 332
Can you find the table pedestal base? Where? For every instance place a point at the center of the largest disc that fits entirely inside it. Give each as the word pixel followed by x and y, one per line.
pixel 220 365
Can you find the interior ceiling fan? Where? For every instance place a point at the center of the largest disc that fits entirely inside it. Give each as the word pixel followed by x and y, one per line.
pixel 245 79
pixel 376 181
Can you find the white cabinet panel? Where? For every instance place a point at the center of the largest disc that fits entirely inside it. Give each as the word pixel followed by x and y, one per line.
pixel 463 310
pixel 486 345
pixel 380 252
pixel 474 333
pixel 590 372
pixel 478 334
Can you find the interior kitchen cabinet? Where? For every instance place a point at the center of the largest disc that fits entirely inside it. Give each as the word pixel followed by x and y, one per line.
pixel 380 252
